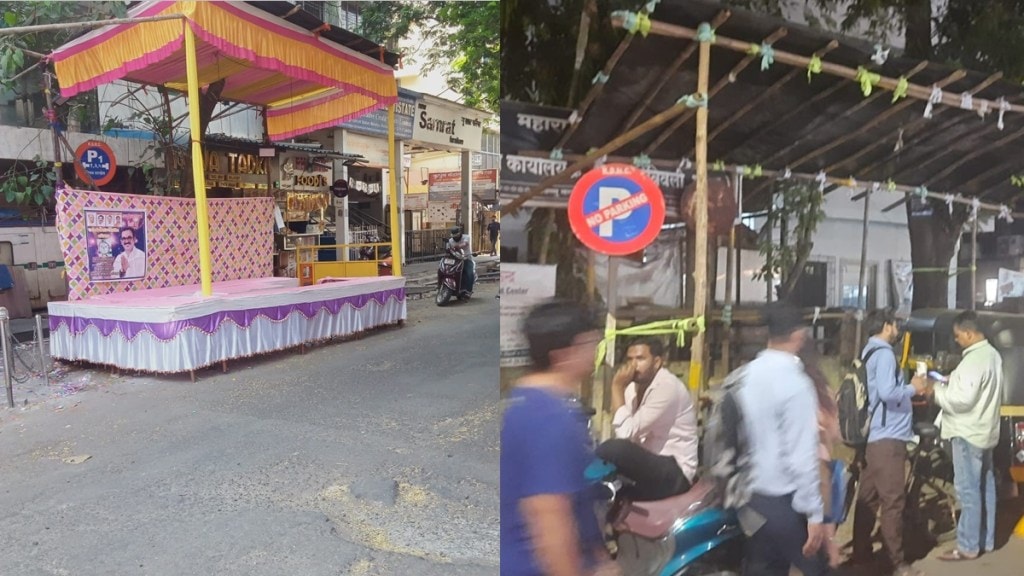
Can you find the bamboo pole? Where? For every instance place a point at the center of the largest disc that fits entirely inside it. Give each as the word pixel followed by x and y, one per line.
pixel 862 297
pixel 718 87
pixel 767 173
pixel 595 90
pixel 700 288
pixel 198 172
pixel 885 83
pixel 669 72
pixel 974 262
pixel 765 94
pixel 86 24
pixel 396 229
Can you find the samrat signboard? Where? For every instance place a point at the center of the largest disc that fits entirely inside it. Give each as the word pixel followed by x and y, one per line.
pixel 116 242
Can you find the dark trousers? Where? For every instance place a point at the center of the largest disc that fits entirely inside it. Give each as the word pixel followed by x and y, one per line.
pixel 882 485
pixel 494 245
pixel 779 544
pixel 655 477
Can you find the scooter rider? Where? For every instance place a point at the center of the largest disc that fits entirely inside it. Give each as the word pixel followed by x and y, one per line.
pixel 460 241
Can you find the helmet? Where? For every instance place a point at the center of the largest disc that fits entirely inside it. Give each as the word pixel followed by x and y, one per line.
pixel 456 231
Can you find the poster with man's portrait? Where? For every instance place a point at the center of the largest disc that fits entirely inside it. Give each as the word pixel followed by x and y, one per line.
pixel 116 241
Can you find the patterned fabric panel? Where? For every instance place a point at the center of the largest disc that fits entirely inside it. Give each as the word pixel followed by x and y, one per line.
pixel 241 239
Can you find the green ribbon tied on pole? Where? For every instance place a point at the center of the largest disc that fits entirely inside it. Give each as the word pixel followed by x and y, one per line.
pixel 694 101
pixel 813 67
pixel 600 78
pixel 705 33
pixel 901 89
pixel 890 186
pixel 868 80
pixel 753 172
pixel 767 56
pixel 718 166
pixel 678 328
pixel 634 22
pixel 921 192
pixel 650 6
pixel 642 161
pixel 556 154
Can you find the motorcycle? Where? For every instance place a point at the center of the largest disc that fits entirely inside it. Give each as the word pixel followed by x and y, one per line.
pixel 449 277
pixel 688 534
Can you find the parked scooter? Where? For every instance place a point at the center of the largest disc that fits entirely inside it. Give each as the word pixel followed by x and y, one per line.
pixel 688 534
pixel 449 277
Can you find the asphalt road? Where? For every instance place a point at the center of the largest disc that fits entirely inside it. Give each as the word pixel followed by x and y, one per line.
pixel 376 456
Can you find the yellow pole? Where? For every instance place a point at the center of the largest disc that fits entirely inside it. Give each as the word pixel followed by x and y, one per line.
pixel 198 173
pixel 700 271
pixel 396 257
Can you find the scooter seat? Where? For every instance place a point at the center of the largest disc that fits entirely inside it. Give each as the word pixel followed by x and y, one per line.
pixel 655 519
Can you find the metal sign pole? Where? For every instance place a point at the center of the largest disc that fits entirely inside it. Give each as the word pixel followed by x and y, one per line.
pixel 5 349
pixel 42 353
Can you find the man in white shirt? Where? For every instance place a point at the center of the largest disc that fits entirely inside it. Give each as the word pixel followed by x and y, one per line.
pixel 460 241
pixel 970 403
pixel 655 442
pixel 132 262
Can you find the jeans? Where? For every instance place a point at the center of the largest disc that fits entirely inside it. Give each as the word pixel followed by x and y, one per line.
pixel 975 484
pixel 468 275
pixel 779 543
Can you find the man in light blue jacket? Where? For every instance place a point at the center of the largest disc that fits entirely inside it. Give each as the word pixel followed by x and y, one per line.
pixel 891 415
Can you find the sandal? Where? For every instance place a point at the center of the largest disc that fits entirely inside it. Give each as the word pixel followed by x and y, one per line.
pixel 955 555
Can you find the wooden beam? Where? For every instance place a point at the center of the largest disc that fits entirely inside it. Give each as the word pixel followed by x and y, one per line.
pixel 663 76
pixel 972 155
pixel 916 91
pixel 721 84
pixel 512 207
pixel 595 90
pixel 700 269
pixel 913 123
pixel 764 95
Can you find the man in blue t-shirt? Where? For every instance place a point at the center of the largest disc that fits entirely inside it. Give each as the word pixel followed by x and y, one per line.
pixel 548 523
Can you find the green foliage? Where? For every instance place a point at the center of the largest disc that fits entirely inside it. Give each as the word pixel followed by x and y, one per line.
pixel 32 13
pixel 462 38
pixel 798 203
pixel 28 184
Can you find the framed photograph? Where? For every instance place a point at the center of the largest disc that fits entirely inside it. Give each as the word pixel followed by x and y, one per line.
pixel 116 241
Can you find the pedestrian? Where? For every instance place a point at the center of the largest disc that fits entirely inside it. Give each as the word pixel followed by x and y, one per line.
pixel 828 436
pixel 493 231
pixel 883 479
pixel 655 426
pixel 970 403
pixel 779 409
pixel 548 523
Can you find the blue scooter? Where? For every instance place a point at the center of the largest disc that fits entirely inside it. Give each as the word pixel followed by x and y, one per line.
pixel 688 534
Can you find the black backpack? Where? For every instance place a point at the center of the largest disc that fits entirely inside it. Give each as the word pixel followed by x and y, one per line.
pixel 852 401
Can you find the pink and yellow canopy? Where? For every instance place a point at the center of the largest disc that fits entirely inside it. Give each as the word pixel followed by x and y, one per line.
pixel 306 82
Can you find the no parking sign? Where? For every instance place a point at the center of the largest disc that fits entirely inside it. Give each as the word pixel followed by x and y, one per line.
pixel 616 209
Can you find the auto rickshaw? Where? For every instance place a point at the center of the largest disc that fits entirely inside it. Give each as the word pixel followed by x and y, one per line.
pixel 929 338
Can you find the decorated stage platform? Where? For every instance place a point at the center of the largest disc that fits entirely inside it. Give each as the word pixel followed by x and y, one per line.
pixel 176 329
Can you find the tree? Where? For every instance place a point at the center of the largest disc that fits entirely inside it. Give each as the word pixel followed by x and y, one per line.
pixel 459 37
pixel 797 203
pixel 32 181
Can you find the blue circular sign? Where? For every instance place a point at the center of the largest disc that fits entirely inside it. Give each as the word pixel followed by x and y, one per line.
pixel 95 162
pixel 616 209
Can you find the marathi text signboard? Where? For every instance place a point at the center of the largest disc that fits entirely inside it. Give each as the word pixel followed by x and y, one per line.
pixel 116 244
pixel 523 286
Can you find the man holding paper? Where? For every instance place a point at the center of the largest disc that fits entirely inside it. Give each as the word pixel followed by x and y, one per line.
pixel 970 402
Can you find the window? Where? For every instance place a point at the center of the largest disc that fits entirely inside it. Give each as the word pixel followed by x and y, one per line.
pixel 314 8
pixel 849 295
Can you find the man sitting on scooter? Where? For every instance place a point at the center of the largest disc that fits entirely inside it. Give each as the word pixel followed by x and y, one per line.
pixel 460 241
pixel 655 426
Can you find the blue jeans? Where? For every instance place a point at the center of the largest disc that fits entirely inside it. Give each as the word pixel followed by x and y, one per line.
pixel 975 484
pixel 468 275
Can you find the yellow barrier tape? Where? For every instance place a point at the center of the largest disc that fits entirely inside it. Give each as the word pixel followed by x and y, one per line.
pixel 679 328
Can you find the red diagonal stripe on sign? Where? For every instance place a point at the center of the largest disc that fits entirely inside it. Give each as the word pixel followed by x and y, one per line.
pixel 613 208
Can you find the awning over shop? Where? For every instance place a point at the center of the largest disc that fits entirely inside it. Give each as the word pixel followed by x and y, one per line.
pixel 305 81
